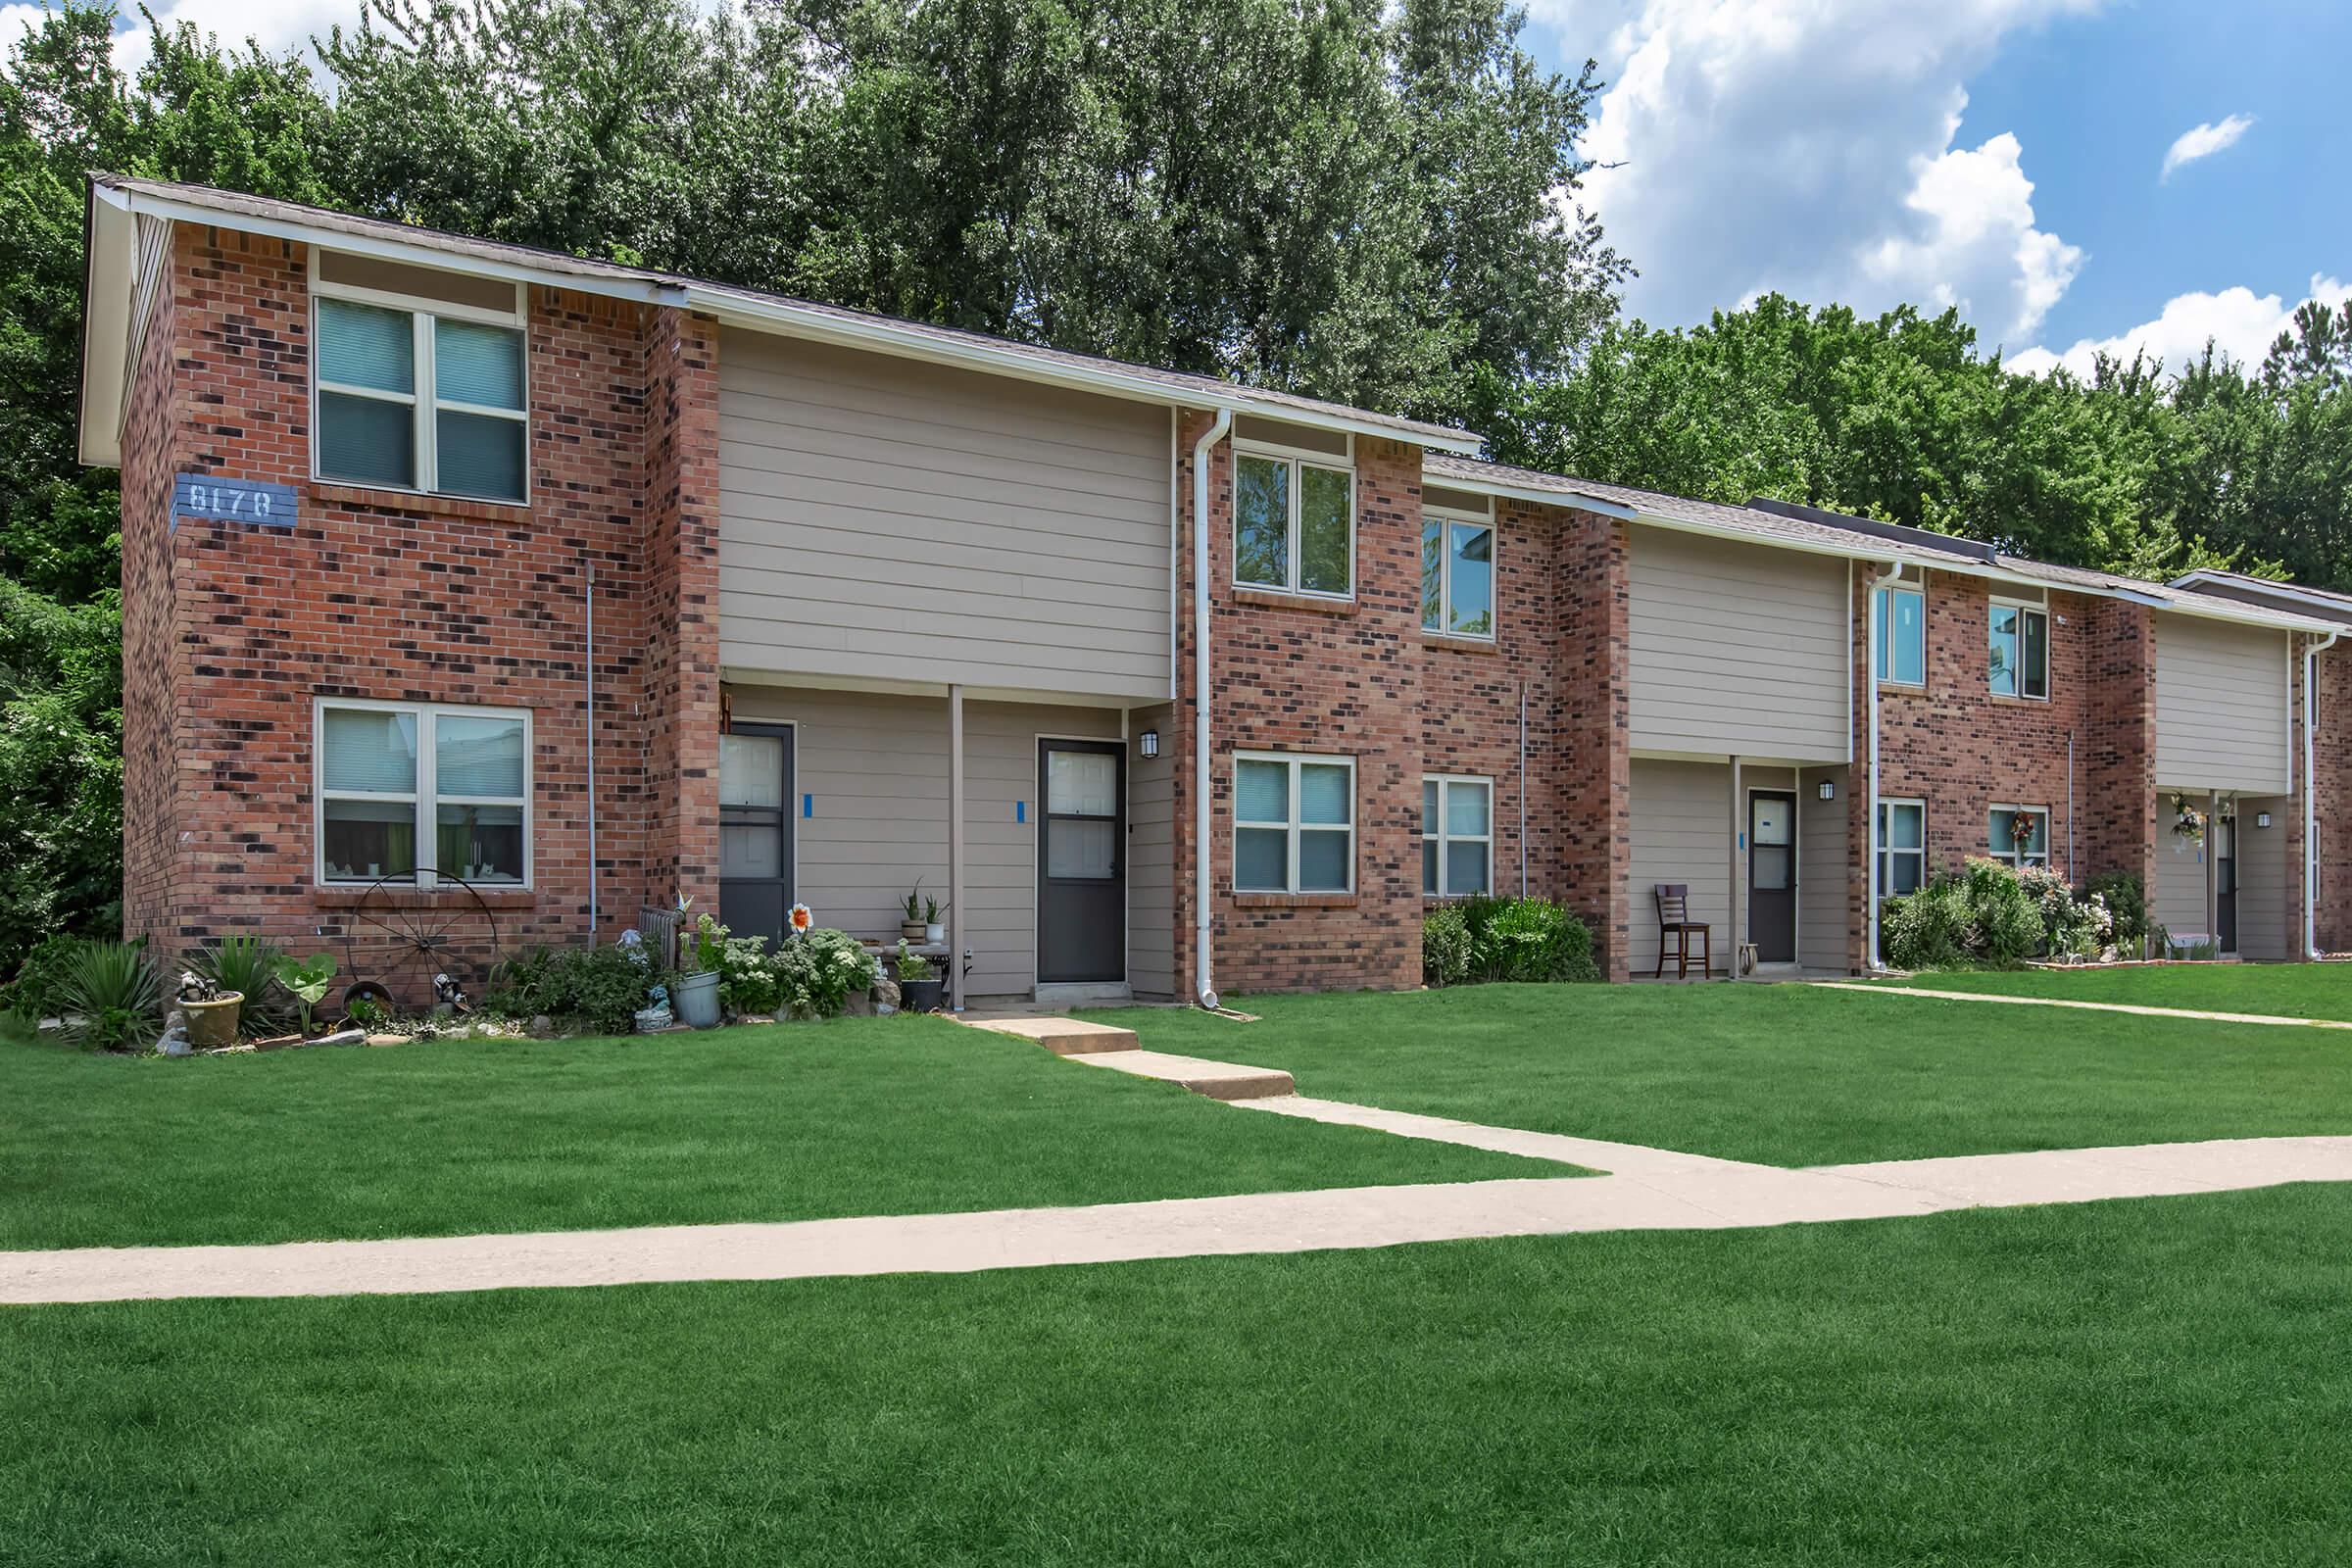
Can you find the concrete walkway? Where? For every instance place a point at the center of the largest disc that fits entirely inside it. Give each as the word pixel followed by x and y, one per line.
pixel 1884 990
pixel 1658 1190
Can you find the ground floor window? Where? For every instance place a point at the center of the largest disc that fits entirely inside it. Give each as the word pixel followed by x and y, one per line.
pixel 1902 847
pixel 1294 823
pixel 419 790
pixel 2019 836
pixel 1458 837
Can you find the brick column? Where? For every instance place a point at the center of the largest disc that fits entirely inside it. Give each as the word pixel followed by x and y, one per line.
pixel 681 578
pixel 1594 784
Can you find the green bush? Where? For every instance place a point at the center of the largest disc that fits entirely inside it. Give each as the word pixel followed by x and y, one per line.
pixel 112 998
pixel 1928 929
pixel 41 977
pixel 2128 903
pixel 602 987
pixel 2006 922
pixel 247 965
pixel 819 970
pixel 1524 940
pixel 1982 916
pixel 1445 946
pixel 747 975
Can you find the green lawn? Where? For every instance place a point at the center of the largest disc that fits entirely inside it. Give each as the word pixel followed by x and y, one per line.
pixel 860 1116
pixel 2158 1381
pixel 2280 990
pixel 1787 1075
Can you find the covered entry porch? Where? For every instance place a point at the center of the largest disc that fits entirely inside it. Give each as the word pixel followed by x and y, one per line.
pixel 1034 821
pixel 1761 847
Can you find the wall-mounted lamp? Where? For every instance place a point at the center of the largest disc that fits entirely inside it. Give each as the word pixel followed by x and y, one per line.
pixel 2262 819
pixel 1147 744
pixel 1829 790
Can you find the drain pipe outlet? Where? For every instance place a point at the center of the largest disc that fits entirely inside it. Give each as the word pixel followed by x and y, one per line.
pixel 1204 916
pixel 2310 820
pixel 1870 826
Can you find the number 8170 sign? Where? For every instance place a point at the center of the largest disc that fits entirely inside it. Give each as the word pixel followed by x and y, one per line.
pixel 207 498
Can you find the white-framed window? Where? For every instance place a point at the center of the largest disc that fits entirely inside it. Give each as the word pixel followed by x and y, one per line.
pixel 1902 652
pixel 1902 847
pixel 1293 521
pixel 2019 836
pixel 1457 572
pixel 1458 837
pixel 420 381
pixel 423 790
pixel 1294 823
pixel 2019 637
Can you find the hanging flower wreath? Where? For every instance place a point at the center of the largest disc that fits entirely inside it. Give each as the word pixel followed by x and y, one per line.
pixel 2021 830
pixel 2187 822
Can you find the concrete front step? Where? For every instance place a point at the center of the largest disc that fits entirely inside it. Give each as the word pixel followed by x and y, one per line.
pixel 1218 1080
pixel 1064 1037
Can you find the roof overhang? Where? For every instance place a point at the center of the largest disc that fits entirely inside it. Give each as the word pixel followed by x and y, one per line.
pixel 110 248
pixel 2329 608
pixel 1536 495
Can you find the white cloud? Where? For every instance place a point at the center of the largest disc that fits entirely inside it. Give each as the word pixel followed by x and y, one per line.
pixel 2238 321
pixel 278 26
pixel 2203 141
pixel 1807 146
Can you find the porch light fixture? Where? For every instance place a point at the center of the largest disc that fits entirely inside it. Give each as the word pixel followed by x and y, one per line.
pixel 1147 744
pixel 2262 819
pixel 1829 790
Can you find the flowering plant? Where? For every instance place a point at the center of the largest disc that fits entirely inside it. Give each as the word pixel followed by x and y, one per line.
pixel 2187 822
pixel 820 969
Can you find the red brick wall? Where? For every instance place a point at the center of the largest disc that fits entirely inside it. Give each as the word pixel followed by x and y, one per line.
pixel 385 595
pixel 152 670
pixel 1591 770
pixel 2331 773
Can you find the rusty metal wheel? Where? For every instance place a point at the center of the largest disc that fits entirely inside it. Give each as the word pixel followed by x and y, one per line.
pixel 397 941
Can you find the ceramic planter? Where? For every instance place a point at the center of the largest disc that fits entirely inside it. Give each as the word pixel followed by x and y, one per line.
pixel 911 930
pixel 213 1025
pixel 697 999
pixel 934 934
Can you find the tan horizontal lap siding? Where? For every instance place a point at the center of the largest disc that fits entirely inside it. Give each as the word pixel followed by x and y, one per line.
pixel 884 518
pixel 1152 858
pixel 1680 831
pixel 2177 896
pixel 2221 707
pixel 1735 649
pixel 2267 920
pixel 1820 872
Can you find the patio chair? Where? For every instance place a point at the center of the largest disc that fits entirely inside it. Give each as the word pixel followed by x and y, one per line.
pixel 1674 919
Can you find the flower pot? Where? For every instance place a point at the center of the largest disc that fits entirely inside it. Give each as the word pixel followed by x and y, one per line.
pixel 921 996
pixel 911 930
pixel 696 996
pixel 213 1024
pixel 934 934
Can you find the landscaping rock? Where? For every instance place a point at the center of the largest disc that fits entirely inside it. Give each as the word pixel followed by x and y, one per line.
pixel 175 1035
pixel 343 1037
pixel 543 1027
pixel 887 999
pixel 387 1040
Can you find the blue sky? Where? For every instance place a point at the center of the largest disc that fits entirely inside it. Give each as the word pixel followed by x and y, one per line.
pixel 2007 156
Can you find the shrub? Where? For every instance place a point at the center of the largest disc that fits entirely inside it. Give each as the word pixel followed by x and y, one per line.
pixel 1529 940
pixel 41 978
pixel 2126 901
pixel 247 965
pixel 1445 946
pixel 603 987
pixel 747 975
pixel 1928 929
pixel 112 998
pixel 819 970
pixel 1984 914
pixel 2005 923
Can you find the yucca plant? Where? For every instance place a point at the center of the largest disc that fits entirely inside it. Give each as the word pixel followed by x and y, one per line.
pixel 247 965
pixel 112 998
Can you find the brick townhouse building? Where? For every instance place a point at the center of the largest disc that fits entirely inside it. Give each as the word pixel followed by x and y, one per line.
pixel 462 576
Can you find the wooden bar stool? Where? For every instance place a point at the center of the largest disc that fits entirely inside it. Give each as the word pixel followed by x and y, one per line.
pixel 1674 918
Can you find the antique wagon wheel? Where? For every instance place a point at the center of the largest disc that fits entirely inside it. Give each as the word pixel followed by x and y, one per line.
pixel 396 944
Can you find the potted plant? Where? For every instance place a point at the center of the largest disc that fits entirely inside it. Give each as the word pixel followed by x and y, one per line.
pixel 919 986
pixel 912 928
pixel 210 1012
pixel 696 995
pixel 933 931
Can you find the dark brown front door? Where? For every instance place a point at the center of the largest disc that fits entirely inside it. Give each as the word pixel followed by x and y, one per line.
pixel 1081 863
pixel 2225 884
pixel 1772 875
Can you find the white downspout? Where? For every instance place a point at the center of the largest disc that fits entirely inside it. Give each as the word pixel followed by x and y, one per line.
pixel 1870 823
pixel 2310 820
pixel 1203 880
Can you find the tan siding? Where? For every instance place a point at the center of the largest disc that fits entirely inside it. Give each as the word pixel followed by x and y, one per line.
pixel 2267 925
pixel 1820 872
pixel 887 518
pixel 2221 707
pixel 1679 831
pixel 876 769
pixel 1735 649
pixel 2178 898
pixel 1152 858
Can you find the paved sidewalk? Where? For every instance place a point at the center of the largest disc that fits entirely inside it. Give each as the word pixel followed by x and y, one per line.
pixel 1884 990
pixel 1668 1193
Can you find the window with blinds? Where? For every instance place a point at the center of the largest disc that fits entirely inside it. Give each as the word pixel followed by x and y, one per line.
pixel 1294 823
pixel 421 394
pixel 421 792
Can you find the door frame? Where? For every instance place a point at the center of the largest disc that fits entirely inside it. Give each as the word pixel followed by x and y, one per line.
pixel 1794 792
pixel 1038 741
pixel 790 728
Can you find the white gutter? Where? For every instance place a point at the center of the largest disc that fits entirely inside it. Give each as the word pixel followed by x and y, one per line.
pixel 1894 568
pixel 2311 816
pixel 1204 879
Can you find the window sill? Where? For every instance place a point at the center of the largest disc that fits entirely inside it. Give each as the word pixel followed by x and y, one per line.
pixel 2000 701
pixel 1460 644
pixel 1271 599
pixel 1902 688
pixel 349 895
pixel 1293 901
pixel 331 494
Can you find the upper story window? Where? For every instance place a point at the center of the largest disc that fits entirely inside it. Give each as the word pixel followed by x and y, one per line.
pixel 1294 823
pixel 2020 649
pixel 411 790
pixel 1293 509
pixel 1457 563
pixel 1902 653
pixel 420 380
